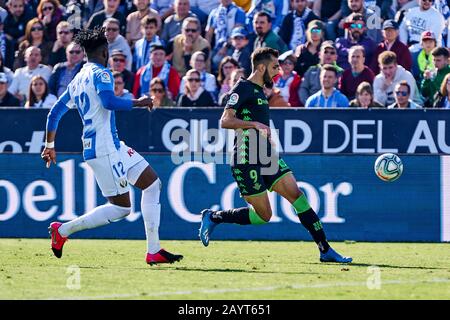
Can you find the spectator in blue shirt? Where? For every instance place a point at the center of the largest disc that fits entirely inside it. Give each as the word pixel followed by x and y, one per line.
pixel 328 96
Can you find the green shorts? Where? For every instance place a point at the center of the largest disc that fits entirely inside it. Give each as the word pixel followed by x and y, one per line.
pixel 251 182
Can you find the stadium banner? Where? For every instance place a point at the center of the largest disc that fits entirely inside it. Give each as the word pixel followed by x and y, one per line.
pixel 323 131
pixel 351 201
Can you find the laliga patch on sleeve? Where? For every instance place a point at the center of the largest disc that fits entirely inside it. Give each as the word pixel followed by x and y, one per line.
pixel 234 98
pixel 105 77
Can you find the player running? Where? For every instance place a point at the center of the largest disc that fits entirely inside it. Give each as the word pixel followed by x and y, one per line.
pixel 247 112
pixel 115 165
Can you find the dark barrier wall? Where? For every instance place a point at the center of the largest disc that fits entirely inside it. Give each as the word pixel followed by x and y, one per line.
pixel 351 201
pixel 299 130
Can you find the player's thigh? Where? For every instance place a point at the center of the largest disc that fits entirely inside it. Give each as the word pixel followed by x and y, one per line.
pixel 249 180
pixel 139 172
pixel 287 187
pixel 261 205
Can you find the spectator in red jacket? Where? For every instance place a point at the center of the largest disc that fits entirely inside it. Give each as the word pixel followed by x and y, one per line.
pixel 357 73
pixel 288 81
pixel 391 43
pixel 159 67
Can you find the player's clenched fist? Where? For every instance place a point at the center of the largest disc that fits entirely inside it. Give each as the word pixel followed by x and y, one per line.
pixel 49 156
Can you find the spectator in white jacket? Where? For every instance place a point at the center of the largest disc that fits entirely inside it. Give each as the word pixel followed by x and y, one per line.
pixel 390 75
pixel 420 19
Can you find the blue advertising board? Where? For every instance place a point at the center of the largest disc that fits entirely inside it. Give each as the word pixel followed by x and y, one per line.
pixel 351 201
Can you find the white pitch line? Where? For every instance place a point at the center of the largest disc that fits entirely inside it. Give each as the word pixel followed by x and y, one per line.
pixel 272 288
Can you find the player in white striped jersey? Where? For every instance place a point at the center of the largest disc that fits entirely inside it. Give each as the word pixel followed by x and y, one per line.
pixel 115 165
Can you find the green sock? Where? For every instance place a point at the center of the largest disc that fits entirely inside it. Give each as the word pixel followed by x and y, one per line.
pixel 255 218
pixel 301 205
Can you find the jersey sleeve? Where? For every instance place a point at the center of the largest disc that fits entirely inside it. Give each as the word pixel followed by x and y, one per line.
pixel 103 81
pixel 236 98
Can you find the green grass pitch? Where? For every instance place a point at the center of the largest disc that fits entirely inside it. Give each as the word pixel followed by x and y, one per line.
pixel 115 269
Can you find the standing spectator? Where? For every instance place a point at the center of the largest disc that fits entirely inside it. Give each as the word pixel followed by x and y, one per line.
pixel 110 11
pixel 364 97
pixel 328 96
pixel 356 35
pixel 34 36
pixel 422 59
pixel 391 43
pixel 119 87
pixel 64 36
pixel 135 30
pixel 293 28
pixel 329 11
pixel 157 67
pixel 173 23
pixel 241 51
pixel 391 74
pixel 432 79
pixel 277 10
pixel 186 43
pixel 207 80
pixel 221 22
pixel 64 72
pixel 226 68
pixel 195 95
pixel 6 48
pixel 149 26
pixel 266 37
pixel 22 76
pixel 118 62
pixel 6 98
pixel 311 80
pixel 442 97
pixel 288 81
pixel 116 41
pixel 50 14
pixel 420 19
pixel 402 92
pixel 357 73
pixel 308 54
pixel 16 20
pixel 38 94
pixel 159 94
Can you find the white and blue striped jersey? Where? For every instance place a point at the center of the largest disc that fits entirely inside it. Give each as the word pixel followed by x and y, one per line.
pixel 100 136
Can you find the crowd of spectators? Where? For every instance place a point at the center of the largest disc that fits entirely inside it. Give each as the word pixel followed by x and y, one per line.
pixel 190 53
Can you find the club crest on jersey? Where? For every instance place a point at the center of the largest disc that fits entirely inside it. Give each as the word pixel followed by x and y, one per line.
pixel 105 77
pixel 234 98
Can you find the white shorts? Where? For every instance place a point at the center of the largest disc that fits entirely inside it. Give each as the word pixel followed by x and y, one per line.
pixel 111 171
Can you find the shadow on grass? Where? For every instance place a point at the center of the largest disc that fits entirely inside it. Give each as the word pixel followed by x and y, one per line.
pixel 377 265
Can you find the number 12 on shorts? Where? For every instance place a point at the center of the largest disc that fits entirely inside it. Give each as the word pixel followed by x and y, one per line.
pixel 118 169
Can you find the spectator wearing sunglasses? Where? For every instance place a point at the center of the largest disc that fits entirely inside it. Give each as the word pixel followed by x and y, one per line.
pixel 64 72
pixel 64 36
pixel 159 94
pixel 402 92
pixel 240 50
pixel 194 95
pixel 116 41
pixel 50 14
pixel 308 53
pixel 356 35
pixel 118 62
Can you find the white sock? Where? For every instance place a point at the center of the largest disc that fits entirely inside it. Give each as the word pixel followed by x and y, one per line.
pixel 99 216
pixel 151 212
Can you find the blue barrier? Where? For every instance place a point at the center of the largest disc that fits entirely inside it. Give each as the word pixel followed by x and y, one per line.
pixel 351 201
pixel 299 130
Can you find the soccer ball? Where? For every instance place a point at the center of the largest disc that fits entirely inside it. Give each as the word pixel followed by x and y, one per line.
pixel 388 167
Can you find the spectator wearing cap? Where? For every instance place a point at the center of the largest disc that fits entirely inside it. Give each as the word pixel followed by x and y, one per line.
pixel 118 62
pixel 265 36
pixel 288 81
pixel 277 10
pixel 308 54
pixel 135 21
pixel 119 87
pixel 391 42
pixel 64 36
pixel 402 93
pixel 149 26
pixel 356 35
pixel 357 73
pixel 422 60
pixel 240 50
pixel 116 41
pixel 328 96
pixel 432 79
pixel 159 67
pixel 6 98
pixel 16 20
pixel 64 72
pixel 6 48
pixel 390 75
pixel 311 80
pixel 221 22
pixel 293 28
pixel 420 19
pixel 173 23
pixel 185 44
pixel 110 11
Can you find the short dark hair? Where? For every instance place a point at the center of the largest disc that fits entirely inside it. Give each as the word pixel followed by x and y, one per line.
pixel 440 51
pixel 329 67
pixel 404 83
pixel 149 20
pixel 91 40
pixel 117 74
pixel 263 14
pixel 262 55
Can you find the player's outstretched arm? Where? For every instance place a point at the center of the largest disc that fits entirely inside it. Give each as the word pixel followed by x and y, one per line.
pixel 229 121
pixel 113 103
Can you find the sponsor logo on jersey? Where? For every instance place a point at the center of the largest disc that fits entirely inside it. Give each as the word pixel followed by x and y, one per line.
pixel 123 183
pixel 130 152
pixel 87 143
pixel 234 98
